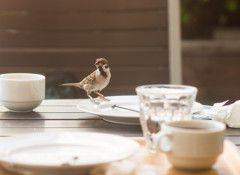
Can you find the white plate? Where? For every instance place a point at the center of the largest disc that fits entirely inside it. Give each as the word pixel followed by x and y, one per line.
pixel 63 153
pixel 117 115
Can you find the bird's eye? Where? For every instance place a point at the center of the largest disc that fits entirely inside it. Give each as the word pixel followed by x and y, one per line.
pixel 106 66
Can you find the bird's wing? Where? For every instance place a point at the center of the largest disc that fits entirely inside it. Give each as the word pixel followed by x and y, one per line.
pixel 92 76
pixel 89 79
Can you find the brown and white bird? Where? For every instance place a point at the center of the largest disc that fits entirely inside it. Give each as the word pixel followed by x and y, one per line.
pixel 96 81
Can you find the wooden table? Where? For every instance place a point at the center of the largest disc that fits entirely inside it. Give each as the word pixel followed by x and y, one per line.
pixel 62 115
pixel 59 115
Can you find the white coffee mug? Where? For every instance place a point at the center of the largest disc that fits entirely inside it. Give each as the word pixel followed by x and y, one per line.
pixel 193 144
pixel 22 92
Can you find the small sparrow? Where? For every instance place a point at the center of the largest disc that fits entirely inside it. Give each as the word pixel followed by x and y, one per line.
pixel 96 81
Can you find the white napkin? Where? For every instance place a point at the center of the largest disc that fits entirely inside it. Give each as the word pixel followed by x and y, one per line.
pixel 228 114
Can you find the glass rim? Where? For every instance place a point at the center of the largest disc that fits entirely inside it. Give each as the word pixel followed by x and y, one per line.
pixel 151 89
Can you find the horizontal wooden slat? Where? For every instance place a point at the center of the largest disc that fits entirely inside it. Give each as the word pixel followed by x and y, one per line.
pixel 39 115
pixel 232 132
pixel 60 124
pixel 85 39
pixel 140 76
pixel 44 109
pixel 210 47
pixel 120 76
pixel 127 131
pixel 55 58
pixel 83 5
pixel 112 90
pixel 86 21
pixel 76 50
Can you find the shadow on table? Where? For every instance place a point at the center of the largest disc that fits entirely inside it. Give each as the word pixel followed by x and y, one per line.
pixel 21 115
pixel 22 120
pixel 211 171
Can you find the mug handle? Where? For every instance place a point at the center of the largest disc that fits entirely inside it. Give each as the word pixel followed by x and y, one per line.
pixel 163 142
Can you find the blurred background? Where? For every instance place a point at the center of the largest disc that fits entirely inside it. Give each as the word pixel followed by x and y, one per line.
pixel 62 38
pixel 211 48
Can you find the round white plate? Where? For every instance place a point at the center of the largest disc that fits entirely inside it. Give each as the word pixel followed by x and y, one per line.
pixel 117 115
pixel 63 153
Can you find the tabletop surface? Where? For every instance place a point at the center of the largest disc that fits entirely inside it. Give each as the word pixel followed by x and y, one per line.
pixel 63 115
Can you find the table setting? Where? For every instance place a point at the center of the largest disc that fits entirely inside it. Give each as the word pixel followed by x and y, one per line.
pixel 175 134
pixel 122 109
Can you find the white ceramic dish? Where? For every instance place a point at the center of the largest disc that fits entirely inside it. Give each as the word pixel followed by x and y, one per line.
pixel 117 115
pixel 63 153
pixel 22 92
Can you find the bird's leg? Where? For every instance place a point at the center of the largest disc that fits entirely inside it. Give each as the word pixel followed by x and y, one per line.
pixel 101 96
pixel 92 100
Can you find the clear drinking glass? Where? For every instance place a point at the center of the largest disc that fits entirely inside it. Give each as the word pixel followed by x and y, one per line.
pixel 160 103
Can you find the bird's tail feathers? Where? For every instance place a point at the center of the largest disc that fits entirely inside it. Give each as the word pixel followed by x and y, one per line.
pixel 70 84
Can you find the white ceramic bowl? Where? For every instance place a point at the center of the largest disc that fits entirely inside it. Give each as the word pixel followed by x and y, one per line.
pixel 22 92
